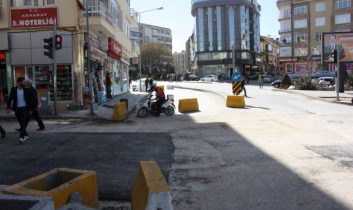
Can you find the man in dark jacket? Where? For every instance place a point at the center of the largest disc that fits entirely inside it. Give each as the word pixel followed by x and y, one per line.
pixel 33 103
pixel 17 102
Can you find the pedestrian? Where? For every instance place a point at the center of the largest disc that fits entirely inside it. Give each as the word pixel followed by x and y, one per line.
pixel 17 102
pixel 3 132
pixel 242 85
pixel 146 84
pixel 108 85
pixel 261 82
pixel 33 103
pixel 151 85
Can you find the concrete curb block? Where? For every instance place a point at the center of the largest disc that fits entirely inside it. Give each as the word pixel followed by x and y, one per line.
pixel 150 190
pixel 59 184
pixel 21 202
pixel 188 105
pixel 120 112
pixel 235 101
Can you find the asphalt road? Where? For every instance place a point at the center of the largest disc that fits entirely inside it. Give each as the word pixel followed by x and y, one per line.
pixel 282 151
pixel 114 156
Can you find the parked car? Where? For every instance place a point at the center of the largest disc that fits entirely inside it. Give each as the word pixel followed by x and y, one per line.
pixel 268 79
pixel 276 83
pixel 324 81
pixel 209 78
pixel 135 85
pixel 193 77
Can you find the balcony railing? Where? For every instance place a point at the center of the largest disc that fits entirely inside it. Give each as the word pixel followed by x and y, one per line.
pixel 98 8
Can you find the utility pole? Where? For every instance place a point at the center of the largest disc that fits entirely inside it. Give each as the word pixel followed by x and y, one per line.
pixel 338 72
pixel 91 111
pixel 55 71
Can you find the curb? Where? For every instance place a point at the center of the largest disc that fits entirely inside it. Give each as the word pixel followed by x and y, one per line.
pixel 313 97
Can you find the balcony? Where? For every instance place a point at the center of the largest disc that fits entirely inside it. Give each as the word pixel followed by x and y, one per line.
pixel 103 19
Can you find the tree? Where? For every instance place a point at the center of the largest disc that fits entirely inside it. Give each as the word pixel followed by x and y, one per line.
pixel 154 55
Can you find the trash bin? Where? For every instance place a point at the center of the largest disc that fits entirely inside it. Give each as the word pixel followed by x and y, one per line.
pixel 101 97
pixel 126 102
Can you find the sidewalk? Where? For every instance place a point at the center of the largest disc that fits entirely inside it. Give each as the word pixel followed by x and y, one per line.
pixel 329 96
pixel 100 111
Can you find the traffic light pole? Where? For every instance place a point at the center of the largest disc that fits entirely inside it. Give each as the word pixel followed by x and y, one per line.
pixel 89 61
pixel 338 73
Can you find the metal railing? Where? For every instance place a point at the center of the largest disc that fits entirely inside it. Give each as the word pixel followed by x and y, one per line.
pixel 98 8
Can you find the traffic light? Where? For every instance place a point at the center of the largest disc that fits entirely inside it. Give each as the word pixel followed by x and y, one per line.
pixel 334 56
pixel 58 42
pixel 48 45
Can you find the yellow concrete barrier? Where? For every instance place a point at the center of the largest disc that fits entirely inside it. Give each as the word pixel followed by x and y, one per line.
pixel 188 105
pixel 150 190
pixel 119 111
pixel 58 184
pixel 236 101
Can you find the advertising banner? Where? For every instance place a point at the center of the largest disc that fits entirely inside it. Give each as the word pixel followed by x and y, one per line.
pixel 38 17
pixel 344 43
pixel 114 49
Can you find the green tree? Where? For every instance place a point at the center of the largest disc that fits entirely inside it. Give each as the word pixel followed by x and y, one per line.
pixel 154 55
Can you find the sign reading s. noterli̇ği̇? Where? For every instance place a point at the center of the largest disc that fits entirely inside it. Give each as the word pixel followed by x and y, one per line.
pixel 38 17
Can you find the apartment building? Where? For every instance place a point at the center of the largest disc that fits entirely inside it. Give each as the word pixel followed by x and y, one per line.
pixel 157 34
pixel 180 62
pixel 302 26
pixel 269 48
pixel 24 24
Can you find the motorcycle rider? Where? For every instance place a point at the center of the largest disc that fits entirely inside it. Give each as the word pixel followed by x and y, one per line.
pixel 160 99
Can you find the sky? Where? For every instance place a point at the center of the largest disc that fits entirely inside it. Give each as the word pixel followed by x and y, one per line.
pixel 176 15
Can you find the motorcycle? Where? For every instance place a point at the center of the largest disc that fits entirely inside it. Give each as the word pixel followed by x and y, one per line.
pixel 149 106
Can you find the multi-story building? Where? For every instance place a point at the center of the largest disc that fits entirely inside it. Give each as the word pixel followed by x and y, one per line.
pixel 221 27
pixel 157 34
pixel 269 48
pixel 302 24
pixel 180 62
pixel 24 24
pixel 191 62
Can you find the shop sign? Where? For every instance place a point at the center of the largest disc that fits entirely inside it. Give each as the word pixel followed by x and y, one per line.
pixel 38 17
pixel 2 56
pixel 99 53
pixel 114 49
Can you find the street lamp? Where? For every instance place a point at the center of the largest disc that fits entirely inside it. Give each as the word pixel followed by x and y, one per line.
pixel 140 30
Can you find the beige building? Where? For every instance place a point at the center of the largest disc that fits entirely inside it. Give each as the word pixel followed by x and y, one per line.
pixel 269 48
pixel 180 62
pixel 302 24
pixel 24 24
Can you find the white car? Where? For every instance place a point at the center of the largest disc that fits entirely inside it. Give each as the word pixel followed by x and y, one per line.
pixel 135 85
pixel 209 78
pixel 323 81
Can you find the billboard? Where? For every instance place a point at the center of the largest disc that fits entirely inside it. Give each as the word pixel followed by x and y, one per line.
pixel 37 17
pixel 344 43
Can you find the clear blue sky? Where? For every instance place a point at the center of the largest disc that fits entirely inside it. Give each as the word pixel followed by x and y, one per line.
pixel 176 15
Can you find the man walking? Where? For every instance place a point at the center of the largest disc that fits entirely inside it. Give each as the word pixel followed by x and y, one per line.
pixel 108 85
pixel 261 82
pixel 17 102
pixel 242 85
pixel 146 84
pixel 33 103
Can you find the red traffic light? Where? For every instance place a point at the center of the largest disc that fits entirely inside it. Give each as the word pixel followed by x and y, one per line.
pixel 58 42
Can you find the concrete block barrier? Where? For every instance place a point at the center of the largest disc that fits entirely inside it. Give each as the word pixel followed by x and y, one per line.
pixel 235 101
pixel 59 184
pixel 150 190
pixel 120 111
pixel 188 105
pixel 20 202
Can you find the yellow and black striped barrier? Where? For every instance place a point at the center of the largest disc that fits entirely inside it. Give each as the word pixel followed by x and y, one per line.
pixel 236 88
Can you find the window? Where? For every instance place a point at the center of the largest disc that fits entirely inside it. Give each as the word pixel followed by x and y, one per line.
pixel 31 3
pixel 300 38
pixel 201 29
pixel 320 21
pixel 210 28
pixel 342 19
pixel 231 27
pixel 285 51
pixel 341 4
pixel 300 10
pixel 219 27
pixel 320 7
pixel 285 26
pixel 301 23
pixel 50 2
pixel 287 13
pixel 318 36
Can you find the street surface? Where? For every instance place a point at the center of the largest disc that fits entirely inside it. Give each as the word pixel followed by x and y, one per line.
pixel 283 151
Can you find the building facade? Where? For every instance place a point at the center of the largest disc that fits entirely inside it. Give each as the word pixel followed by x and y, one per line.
pixel 157 34
pixel 222 27
pixel 180 62
pixel 269 49
pixel 24 24
pixel 302 26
